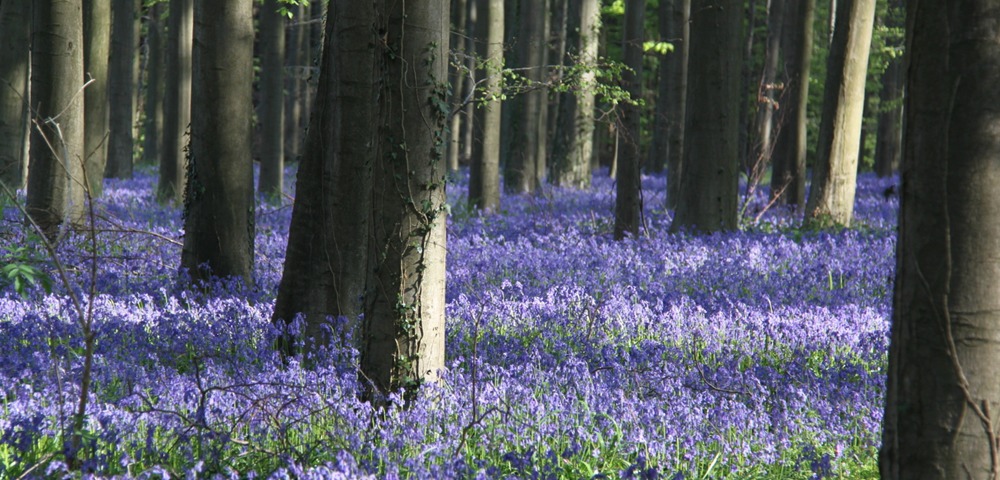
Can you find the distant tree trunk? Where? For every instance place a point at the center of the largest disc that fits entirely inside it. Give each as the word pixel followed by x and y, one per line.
pixel 331 215
pixel 15 24
pixel 56 192
pixel 888 143
pixel 573 151
pixel 788 178
pixel 96 104
pixel 676 93
pixel 471 118
pixel 153 121
pixel 176 101
pixel 628 200
pixel 218 203
pixel 484 175
pixel 460 86
pixel 542 125
pixel 747 89
pixel 709 187
pixel 403 336
pixel 831 198
pixel 297 63
pixel 769 91
pixel 121 90
pixel 555 55
pixel 520 174
pixel 272 116
pixel 942 394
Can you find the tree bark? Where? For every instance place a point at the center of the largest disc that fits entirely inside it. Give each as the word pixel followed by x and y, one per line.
pixel 176 101
pixel 121 90
pixel 97 44
pixel 888 143
pixel 709 185
pixel 460 84
pixel 272 116
pixel 484 176
pixel 520 174
pixel 628 198
pixel 831 198
pixel 788 179
pixel 945 341
pixel 218 203
pixel 14 66
pixel 56 188
pixel 769 91
pixel 676 93
pixel 297 64
pixel 152 140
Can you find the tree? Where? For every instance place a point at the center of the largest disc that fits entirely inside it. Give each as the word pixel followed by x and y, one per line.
pixel 768 94
pixel 218 203
pixel 121 90
pixel 788 166
pixel 326 259
pixel 831 197
pixel 888 142
pixel 298 63
pixel 460 84
pixel 521 169
pixel 152 126
pixel 403 334
pixel 272 116
pixel 708 193
pixel 97 42
pixel 628 203
pixel 484 174
pixel 668 137
pixel 14 63
pixel 942 394
pixel 176 100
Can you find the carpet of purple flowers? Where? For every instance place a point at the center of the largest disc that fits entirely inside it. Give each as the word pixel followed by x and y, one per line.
pixel 757 354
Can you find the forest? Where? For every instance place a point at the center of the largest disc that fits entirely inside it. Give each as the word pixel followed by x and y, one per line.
pixel 638 239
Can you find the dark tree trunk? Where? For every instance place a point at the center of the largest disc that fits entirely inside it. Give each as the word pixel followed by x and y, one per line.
pixel 14 66
pixel 298 65
pixel 176 101
pixel 520 174
pixel 153 121
pixel 628 199
pixel 121 90
pixel 219 202
pixel 271 116
pixel 888 143
pixel 96 104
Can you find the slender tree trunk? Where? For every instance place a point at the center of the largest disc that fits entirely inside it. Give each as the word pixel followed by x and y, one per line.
pixel 121 90
pixel 460 86
pixel 153 120
pixel 272 116
pixel 788 179
pixel 471 118
pixel 296 63
pixel 176 101
pixel 218 203
pixel 14 65
pixel 659 146
pixel 404 317
pixel 709 187
pixel 942 395
pixel 831 198
pixel 484 177
pixel 888 143
pixel 556 54
pixel 520 174
pixel 326 260
pixel 675 99
pixel 97 41
pixel 56 189
pixel 628 199
pixel 769 93
pixel 747 89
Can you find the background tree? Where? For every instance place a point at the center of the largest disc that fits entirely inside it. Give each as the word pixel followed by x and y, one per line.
pixel 769 90
pixel 152 126
pixel 121 90
pixel 14 65
pixel 461 86
pixel 668 131
pixel 272 116
pixel 628 203
pixel 403 337
pixel 326 259
pixel 484 174
pixel 521 169
pixel 890 113
pixel 219 200
pixel 831 196
pixel 96 50
pixel 176 100
pixel 56 191
pixel 711 138
pixel 942 394
pixel 298 63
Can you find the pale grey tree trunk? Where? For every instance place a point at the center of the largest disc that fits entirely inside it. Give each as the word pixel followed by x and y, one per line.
pixel 271 116
pixel 769 92
pixel 14 66
pixel 788 174
pixel 628 199
pixel 484 175
pixel 460 84
pixel 97 44
pixel 176 101
pixel 121 90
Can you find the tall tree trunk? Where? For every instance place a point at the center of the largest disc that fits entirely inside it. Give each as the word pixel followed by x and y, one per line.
pixel 218 203
pixel 96 104
pixel 888 143
pixel 556 54
pixel 831 198
pixel 14 66
pixel 520 174
pixel 403 339
pixel 56 192
pixel 460 86
pixel 471 118
pixel 709 187
pixel 769 91
pixel 121 90
pixel 747 90
pixel 788 177
pixel 676 94
pixel 176 101
pixel 297 63
pixel 272 116
pixel 326 259
pixel 152 140
pixel 484 176
pixel 942 395
pixel 628 199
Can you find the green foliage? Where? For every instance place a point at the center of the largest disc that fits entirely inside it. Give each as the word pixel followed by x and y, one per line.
pixel 20 272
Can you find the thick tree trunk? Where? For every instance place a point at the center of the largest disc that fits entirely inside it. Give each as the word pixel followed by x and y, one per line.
pixel 831 197
pixel 484 176
pixel 326 259
pixel 520 174
pixel 271 116
pixel 628 199
pixel 788 178
pixel 403 339
pixel 709 185
pixel 176 101
pixel 121 90
pixel 97 44
pixel 219 201
pixel 942 392
pixel 56 192
pixel 152 140
pixel 14 65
